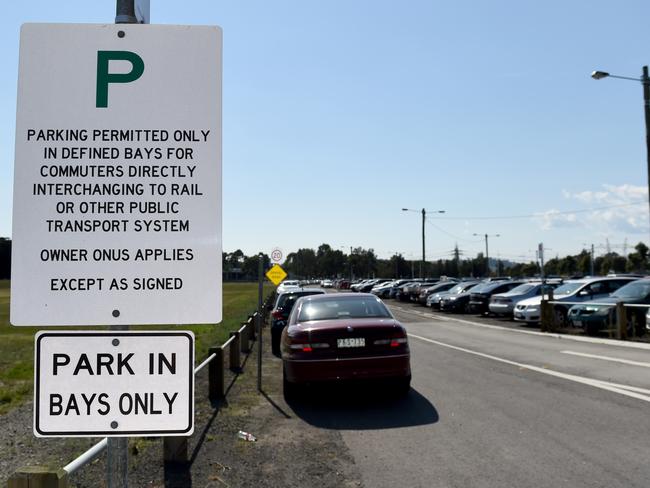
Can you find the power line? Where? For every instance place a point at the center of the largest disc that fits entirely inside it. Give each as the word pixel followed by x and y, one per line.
pixel 540 214
pixel 452 235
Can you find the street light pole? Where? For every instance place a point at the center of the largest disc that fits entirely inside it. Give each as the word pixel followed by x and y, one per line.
pixel 645 82
pixel 424 218
pixel 424 259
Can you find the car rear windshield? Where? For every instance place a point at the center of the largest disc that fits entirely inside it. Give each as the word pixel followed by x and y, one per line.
pixel 521 289
pixel 567 288
pixel 343 308
pixel 480 287
pixel 459 288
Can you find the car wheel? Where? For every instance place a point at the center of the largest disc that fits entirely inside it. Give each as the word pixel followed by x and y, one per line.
pixel 290 389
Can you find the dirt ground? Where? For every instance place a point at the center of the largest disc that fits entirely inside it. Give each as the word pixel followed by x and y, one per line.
pixel 288 452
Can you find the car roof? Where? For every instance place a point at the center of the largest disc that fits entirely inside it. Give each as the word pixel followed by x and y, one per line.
pixel 301 290
pixel 324 296
pixel 600 278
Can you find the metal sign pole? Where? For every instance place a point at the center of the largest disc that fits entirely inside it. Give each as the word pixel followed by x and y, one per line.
pixel 260 276
pixel 117 462
pixel 117 452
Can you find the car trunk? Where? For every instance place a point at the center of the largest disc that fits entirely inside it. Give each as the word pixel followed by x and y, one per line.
pixel 342 337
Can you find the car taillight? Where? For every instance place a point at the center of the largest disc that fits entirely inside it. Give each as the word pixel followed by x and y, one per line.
pixel 277 314
pixel 398 339
pixel 308 347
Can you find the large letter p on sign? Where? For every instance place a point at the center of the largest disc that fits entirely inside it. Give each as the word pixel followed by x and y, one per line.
pixel 104 77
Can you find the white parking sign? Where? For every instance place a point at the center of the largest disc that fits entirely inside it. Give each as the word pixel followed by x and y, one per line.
pixel 117 190
pixel 113 384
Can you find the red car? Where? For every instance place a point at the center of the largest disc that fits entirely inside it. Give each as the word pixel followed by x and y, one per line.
pixel 344 336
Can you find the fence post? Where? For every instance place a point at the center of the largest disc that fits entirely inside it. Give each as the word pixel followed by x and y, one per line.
pixel 215 374
pixel 251 326
pixel 175 449
pixel 621 321
pixel 544 316
pixel 38 477
pixel 245 343
pixel 235 355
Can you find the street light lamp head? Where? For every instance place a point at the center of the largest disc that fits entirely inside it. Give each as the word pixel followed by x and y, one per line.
pixel 599 75
pixel 405 210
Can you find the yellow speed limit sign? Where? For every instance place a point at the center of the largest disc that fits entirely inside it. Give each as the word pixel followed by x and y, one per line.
pixel 276 274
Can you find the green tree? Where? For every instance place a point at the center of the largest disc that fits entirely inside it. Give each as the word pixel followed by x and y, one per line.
pixel 567 265
pixel 364 262
pixel 251 263
pixel 302 263
pixel 638 261
pixel 611 262
pixel 331 262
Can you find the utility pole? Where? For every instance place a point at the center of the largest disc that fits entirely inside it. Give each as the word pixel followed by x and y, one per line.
pixel 350 260
pixel 260 292
pixel 424 218
pixel 487 256
pixel 422 265
pixel 645 81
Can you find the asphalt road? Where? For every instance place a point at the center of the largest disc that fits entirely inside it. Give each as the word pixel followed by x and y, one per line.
pixel 496 407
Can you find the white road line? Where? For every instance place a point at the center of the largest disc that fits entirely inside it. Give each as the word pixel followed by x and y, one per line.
pixel 591 340
pixel 607 358
pixel 629 391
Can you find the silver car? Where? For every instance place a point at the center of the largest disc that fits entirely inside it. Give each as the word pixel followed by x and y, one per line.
pixel 504 303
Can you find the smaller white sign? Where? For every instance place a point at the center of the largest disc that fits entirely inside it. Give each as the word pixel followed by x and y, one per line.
pixel 115 384
pixel 277 255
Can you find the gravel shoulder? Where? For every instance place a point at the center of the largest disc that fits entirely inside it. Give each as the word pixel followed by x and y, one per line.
pixel 288 451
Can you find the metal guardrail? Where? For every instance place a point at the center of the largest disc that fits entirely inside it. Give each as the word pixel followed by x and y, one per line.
pixel 175 448
pixel 617 329
pixel 86 457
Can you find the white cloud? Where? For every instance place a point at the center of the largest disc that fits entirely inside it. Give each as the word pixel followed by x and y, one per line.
pixel 554 219
pixel 627 211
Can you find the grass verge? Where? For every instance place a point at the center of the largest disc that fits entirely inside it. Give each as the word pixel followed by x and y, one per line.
pixel 17 343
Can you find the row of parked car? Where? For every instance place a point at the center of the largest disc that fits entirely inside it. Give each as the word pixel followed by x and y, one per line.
pixel 588 302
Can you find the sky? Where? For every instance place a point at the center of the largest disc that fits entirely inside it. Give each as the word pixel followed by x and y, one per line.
pixel 338 114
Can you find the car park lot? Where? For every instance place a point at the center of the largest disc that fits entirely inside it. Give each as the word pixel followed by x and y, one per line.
pixel 496 403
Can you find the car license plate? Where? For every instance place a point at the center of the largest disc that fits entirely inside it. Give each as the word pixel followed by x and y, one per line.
pixel 351 342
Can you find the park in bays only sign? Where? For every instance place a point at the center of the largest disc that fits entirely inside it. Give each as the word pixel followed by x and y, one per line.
pixel 117 190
